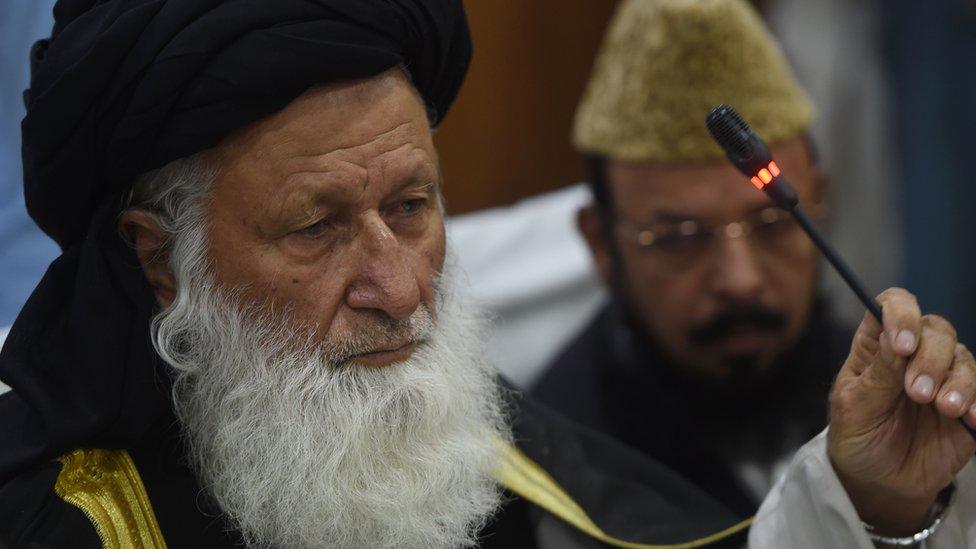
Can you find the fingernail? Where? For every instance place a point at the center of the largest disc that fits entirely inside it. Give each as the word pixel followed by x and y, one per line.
pixel 923 386
pixel 954 398
pixel 905 341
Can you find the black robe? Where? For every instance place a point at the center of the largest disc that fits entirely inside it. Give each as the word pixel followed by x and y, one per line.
pixel 612 381
pixel 627 495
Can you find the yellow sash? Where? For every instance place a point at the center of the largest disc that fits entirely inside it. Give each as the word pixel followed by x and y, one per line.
pixel 526 478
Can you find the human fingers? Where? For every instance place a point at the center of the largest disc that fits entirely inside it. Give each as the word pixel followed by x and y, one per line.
pixel 902 319
pixel 929 367
pixel 958 392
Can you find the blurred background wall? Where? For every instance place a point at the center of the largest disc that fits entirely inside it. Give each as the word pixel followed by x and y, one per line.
pixel 507 136
pixel 892 82
pixel 836 50
pixel 24 251
pixel 930 50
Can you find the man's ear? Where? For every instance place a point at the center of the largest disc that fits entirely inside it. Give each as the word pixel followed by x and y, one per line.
pixel 593 227
pixel 821 188
pixel 147 238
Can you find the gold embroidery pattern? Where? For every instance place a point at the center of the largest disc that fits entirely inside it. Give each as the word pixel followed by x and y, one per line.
pixel 106 486
pixel 527 479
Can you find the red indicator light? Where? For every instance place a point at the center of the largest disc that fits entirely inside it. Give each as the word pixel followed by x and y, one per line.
pixel 774 169
pixel 756 181
pixel 765 175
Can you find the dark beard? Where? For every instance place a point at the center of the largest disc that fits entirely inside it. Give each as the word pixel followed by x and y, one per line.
pixel 754 384
pixel 747 371
pixel 735 317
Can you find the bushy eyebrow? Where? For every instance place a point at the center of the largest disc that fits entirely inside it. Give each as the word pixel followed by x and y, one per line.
pixel 307 200
pixel 429 186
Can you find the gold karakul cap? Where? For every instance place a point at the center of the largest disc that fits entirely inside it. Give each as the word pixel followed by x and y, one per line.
pixel 662 66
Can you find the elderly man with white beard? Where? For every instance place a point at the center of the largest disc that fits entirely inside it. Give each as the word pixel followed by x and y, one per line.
pixel 254 336
pixel 327 376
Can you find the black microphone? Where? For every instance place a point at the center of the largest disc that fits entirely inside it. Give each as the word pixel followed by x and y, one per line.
pixel 751 156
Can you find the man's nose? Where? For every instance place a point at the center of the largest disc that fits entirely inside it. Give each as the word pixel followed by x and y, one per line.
pixel 736 273
pixel 386 280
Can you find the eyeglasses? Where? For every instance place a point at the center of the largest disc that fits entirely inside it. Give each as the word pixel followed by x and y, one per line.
pixel 682 245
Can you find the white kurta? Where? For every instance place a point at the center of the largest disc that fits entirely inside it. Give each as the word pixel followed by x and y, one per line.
pixel 808 509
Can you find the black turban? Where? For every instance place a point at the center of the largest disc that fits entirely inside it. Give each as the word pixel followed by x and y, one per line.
pixel 125 86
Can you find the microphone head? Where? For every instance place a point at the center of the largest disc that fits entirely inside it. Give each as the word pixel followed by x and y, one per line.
pixel 728 129
pixel 742 145
pixel 749 153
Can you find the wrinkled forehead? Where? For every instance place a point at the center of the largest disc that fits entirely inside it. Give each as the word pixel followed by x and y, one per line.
pixel 362 117
pixel 712 189
pixel 347 138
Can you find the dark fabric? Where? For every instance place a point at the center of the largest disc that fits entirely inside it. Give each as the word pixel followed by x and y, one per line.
pixel 124 86
pixel 614 382
pixel 33 516
pixel 627 495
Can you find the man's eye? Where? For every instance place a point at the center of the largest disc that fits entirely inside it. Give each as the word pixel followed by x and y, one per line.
pixel 316 229
pixel 677 242
pixel 411 206
pixel 776 226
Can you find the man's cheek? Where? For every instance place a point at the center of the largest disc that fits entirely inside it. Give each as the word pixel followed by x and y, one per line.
pixel 431 253
pixel 437 246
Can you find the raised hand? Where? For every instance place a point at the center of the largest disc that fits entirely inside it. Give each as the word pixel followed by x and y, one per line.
pixel 894 438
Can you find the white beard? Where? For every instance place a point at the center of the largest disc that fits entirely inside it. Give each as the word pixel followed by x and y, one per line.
pixel 298 451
